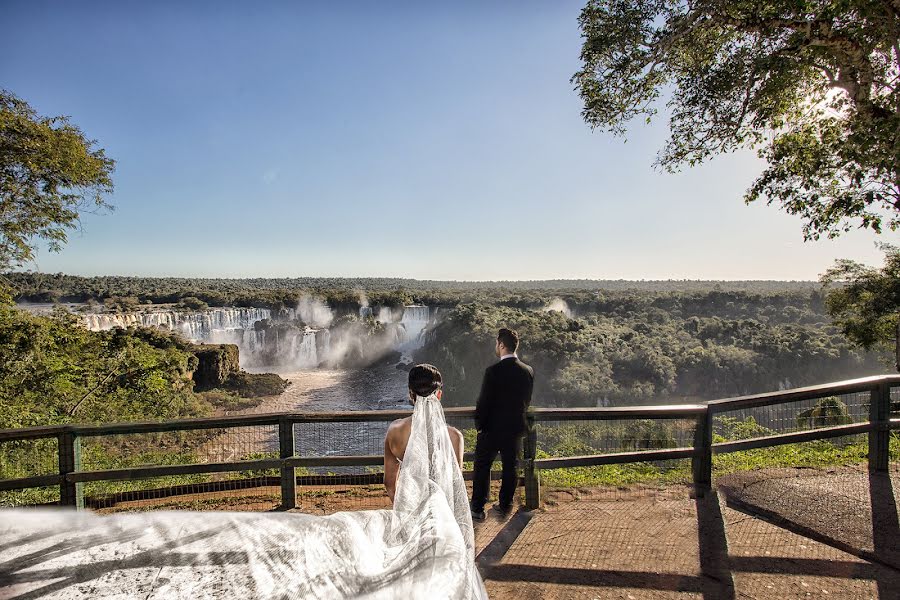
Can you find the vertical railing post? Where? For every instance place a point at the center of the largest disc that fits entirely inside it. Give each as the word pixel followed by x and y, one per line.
pixel 701 463
pixel 532 479
pixel 70 494
pixel 286 450
pixel 879 436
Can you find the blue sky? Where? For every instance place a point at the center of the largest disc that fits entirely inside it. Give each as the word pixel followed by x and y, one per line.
pixel 425 140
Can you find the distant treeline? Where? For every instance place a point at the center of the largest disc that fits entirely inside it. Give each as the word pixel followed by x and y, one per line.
pixel 125 293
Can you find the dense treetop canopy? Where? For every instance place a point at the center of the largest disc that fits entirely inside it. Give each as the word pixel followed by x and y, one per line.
pixel 866 302
pixel 49 173
pixel 811 84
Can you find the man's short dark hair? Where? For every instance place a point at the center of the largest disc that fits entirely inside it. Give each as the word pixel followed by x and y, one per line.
pixel 509 338
pixel 424 380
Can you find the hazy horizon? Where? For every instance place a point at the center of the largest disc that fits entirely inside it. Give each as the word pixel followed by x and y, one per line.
pixel 351 278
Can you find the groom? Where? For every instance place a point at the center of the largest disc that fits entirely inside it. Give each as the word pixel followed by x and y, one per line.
pixel 500 420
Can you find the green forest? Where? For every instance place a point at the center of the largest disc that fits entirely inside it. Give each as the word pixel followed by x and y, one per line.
pixel 593 343
pixel 640 347
pixel 53 370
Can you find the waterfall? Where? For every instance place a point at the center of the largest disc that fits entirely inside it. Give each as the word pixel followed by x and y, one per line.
pixel 211 326
pixel 198 326
pixel 385 315
pixel 308 357
pixel 278 344
pixel 415 319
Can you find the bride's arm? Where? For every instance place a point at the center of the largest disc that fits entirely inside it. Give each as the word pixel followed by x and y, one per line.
pixel 458 442
pixel 391 468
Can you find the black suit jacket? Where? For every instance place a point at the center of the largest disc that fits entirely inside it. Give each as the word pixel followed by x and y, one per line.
pixel 505 396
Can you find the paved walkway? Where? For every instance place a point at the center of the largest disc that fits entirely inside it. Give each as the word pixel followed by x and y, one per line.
pixel 845 507
pixel 642 543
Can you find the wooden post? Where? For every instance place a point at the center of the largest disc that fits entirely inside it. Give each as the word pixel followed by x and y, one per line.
pixel 879 437
pixel 532 479
pixel 70 494
pixel 701 463
pixel 286 450
pixel 897 347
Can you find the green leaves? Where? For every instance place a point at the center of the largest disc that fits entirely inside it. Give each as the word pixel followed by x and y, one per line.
pixel 49 174
pixel 53 371
pixel 813 86
pixel 865 302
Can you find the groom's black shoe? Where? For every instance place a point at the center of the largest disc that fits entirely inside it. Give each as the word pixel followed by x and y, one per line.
pixel 478 515
pixel 501 511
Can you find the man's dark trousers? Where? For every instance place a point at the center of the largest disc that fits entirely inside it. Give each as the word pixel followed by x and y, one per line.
pixel 486 449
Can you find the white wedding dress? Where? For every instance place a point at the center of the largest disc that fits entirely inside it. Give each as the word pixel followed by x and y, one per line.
pixel 423 548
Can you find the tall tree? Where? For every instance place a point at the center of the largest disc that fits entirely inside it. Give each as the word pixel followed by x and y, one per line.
pixel 864 301
pixel 812 85
pixel 49 174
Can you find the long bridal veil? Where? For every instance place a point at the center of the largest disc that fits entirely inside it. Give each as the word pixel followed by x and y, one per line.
pixel 423 548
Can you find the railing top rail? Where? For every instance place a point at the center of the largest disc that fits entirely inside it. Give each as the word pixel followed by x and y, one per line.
pixel 540 414
pixel 805 393
pixel 669 411
pixel 216 423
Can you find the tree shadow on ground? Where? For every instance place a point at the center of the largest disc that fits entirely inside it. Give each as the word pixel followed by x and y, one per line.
pixel 885 530
pixel 62 577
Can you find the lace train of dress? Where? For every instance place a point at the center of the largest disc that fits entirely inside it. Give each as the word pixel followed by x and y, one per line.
pixel 423 548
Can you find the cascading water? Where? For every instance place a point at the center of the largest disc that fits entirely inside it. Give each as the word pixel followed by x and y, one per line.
pixel 212 326
pixel 276 343
pixel 415 319
pixel 199 326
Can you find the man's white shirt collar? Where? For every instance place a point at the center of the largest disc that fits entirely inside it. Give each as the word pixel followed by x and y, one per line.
pixel 505 356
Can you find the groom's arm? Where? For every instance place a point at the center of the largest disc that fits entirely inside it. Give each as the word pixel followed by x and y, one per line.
pixel 483 405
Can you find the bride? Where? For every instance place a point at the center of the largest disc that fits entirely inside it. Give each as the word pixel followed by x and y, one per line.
pixel 421 548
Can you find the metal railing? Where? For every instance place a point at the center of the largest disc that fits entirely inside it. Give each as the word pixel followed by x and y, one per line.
pixel 71 476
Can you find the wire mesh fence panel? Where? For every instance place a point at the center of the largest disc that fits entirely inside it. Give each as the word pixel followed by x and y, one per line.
pixel 587 437
pixel 194 491
pixel 320 439
pixel 35 496
pixel 29 458
pixel 894 449
pixel 328 489
pixel 238 491
pixel 179 447
pixel 838 453
pixel 895 402
pixel 335 488
pixel 828 410
pixel 658 479
pixel 331 493
pixel 561 439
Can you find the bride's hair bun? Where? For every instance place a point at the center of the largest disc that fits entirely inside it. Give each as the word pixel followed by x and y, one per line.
pixel 424 380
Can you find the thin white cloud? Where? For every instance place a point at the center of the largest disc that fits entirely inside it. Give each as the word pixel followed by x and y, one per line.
pixel 270 176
